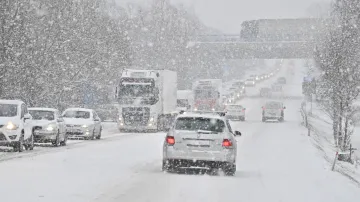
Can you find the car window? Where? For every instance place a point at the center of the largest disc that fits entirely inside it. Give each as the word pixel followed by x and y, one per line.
pixel 8 110
pixel 199 123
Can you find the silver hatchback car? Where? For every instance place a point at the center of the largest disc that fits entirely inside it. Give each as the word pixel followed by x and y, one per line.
pixel 200 141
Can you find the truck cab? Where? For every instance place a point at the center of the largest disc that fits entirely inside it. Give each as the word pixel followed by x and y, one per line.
pixel 146 99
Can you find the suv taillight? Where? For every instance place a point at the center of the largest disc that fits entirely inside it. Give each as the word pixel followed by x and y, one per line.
pixel 170 140
pixel 227 143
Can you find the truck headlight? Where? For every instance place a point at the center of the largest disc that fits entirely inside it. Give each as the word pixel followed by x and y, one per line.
pixel 11 126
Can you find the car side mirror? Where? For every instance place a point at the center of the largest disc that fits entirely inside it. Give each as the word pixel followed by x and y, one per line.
pixel 27 117
pixel 284 107
pixel 237 133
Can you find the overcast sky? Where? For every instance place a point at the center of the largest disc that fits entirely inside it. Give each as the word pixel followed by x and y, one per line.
pixel 227 15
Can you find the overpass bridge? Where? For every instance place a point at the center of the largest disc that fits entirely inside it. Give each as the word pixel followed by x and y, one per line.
pixel 233 47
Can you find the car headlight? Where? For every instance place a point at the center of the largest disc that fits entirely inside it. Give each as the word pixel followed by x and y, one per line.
pixel 51 127
pixel 11 126
pixel 84 126
pixel 152 119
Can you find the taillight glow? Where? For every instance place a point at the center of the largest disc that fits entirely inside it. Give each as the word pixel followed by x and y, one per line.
pixel 226 143
pixel 170 140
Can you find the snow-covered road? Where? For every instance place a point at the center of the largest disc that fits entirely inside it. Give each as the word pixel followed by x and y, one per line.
pixel 275 162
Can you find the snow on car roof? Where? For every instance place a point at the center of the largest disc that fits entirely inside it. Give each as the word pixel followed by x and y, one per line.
pixel 201 115
pixel 15 102
pixel 79 109
pixel 42 109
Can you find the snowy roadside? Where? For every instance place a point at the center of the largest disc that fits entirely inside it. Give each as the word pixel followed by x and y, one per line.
pixel 321 137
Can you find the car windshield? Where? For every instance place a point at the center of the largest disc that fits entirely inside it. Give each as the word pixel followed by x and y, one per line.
pixel 42 115
pixel 199 123
pixel 273 105
pixel 8 110
pixel 77 114
pixel 234 107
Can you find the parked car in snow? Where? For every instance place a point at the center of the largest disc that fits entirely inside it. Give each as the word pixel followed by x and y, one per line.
pixel 273 110
pixel 201 141
pixel 82 123
pixel 15 125
pixel 235 112
pixel 49 126
pixel 265 92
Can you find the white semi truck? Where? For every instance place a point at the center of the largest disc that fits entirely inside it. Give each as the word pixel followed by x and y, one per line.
pixel 208 95
pixel 146 100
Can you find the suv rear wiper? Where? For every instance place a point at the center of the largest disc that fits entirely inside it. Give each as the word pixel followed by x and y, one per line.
pixel 206 132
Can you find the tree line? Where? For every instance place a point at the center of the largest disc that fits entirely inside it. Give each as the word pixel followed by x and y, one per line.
pixel 337 56
pixel 71 52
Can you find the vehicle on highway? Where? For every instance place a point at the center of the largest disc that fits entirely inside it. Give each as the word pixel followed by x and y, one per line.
pixel 146 100
pixel 265 92
pixel 185 98
pixel 200 141
pixel 208 95
pixel 273 110
pixel 15 125
pixel 49 126
pixel 250 82
pixel 82 123
pixel 235 112
pixel 276 87
pixel 281 80
pixel 255 77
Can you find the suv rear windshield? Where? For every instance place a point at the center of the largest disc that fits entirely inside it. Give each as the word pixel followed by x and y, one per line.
pixel 273 105
pixel 77 114
pixel 199 123
pixel 8 110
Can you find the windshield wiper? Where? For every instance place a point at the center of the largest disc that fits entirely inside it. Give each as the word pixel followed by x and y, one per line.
pixel 206 132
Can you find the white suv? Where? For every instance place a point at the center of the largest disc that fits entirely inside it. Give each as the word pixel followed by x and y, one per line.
pixel 273 110
pixel 200 141
pixel 15 125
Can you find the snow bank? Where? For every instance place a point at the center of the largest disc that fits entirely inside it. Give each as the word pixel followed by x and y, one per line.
pixel 321 137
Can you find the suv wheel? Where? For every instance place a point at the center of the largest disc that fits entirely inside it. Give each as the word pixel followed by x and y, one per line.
pixel 99 135
pixel 167 166
pixel 63 143
pixel 30 145
pixel 56 143
pixel 230 169
pixel 19 146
